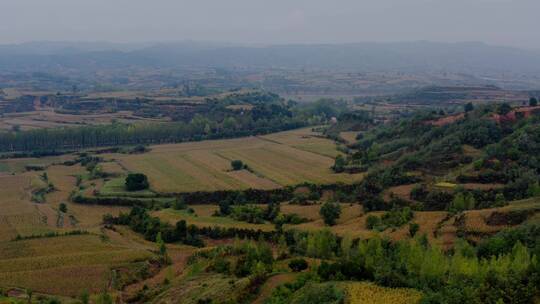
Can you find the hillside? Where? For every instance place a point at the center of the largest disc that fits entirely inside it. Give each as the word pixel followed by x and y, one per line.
pixel 303 217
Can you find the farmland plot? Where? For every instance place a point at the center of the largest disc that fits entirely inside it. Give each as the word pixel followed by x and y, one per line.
pixel 273 161
pixel 63 265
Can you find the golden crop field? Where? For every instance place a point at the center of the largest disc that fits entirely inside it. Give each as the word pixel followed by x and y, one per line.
pixel 18 215
pixel 280 159
pixel 64 265
pixel 369 293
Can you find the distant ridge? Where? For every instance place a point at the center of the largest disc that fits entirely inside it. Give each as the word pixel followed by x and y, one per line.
pixel 466 57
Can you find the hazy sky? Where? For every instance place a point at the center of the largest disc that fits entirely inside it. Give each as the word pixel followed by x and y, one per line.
pixel 503 22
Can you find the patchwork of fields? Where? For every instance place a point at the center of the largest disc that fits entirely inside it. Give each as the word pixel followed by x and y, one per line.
pixel 67 265
pixel 440 227
pixel 275 160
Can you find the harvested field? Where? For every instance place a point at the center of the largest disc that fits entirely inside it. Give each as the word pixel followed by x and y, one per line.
pixel 63 265
pixel 307 140
pixel 47 118
pixel 275 160
pixel 349 137
pixel 18 215
pixel 403 191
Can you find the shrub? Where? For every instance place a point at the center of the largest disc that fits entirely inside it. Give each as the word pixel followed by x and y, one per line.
pixel 179 204
pixel 391 219
pixel 413 229
pixel 136 182
pixel 237 165
pixel 318 293
pixel 373 221
pixel 62 207
pixel 298 265
pixel 330 213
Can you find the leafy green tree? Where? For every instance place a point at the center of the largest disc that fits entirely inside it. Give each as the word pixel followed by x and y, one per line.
pixel 136 182
pixel 180 204
pixel 470 201
pixel 298 265
pixel 321 244
pixel 373 222
pixel 346 247
pixel 534 189
pixel 237 165
pixel 413 229
pixel 504 109
pixel 279 221
pixel 462 201
pixel 533 102
pixel 181 229
pixel 339 164
pixel 62 207
pixel 162 248
pixel 104 298
pixel 29 292
pixel 225 207
pixel 500 200
pixel 85 297
pixel 469 107
pixel 161 244
pixel 330 212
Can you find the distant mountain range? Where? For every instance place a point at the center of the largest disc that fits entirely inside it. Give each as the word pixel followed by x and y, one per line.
pixel 467 57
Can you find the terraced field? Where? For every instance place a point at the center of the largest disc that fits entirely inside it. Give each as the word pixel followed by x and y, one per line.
pixel 285 158
pixel 18 215
pixel 63 265
pixel 203 218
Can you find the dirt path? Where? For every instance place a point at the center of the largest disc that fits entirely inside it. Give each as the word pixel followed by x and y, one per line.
pixel 271 284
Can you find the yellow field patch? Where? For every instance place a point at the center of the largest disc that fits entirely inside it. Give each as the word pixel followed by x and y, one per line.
pixel 369 293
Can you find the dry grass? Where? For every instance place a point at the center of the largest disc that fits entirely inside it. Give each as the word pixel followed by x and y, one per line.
pixel 349 136
pixel 403 191
pixel 310 211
